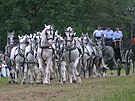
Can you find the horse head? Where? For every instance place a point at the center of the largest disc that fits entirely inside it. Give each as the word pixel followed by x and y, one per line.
pixel 69 33
pixel 47 35
pixel 69 36
pixel 23 39
pixel 85 38
pixel 10 38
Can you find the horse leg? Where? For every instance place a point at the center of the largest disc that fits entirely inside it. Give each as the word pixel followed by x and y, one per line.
pixel 40 70
pixel 31 74
pixel 37 73
pixel 104 72
pixel 59 72
pixel 77 66
pixel 133 67
pixel 72 75
pixel 21 71
pixel 79 70
pixel 63 71
pixel 10 75
pixel 16 72
pixel 25 73
pixel 84 63
pixel 47 72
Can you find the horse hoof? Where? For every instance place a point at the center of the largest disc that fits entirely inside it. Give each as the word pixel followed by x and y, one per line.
pixel 111 73
pixel 32 83
pixel 23 83
pixel 51 78
pixel 9 82
pixel 46 83
pixel 13 82
pixel 74 81
pixel 64 82
pixel 16 83
pixel 39 83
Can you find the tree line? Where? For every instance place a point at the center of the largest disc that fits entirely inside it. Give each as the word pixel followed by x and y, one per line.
pixel 28 16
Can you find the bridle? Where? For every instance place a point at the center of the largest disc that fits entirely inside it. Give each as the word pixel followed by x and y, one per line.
pixel 21 50
pixel 71 40
pixel 46 34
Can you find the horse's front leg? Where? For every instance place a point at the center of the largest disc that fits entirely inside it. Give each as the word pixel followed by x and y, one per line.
pixel 47 71
pixel 17 72
pixel 40 71
pixel 72 73
pixel 63 71
pixel 10 75
pixel 31 73
pixel 25 77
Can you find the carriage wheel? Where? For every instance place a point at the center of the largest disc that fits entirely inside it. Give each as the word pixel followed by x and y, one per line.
pixel 127 68
pixel 127 63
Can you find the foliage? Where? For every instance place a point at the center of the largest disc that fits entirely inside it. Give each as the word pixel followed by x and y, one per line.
pixel 27 16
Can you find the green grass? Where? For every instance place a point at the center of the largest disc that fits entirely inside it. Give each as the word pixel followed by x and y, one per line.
pixel 111 88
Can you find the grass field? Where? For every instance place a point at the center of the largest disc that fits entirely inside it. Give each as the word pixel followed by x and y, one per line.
pixel 111 88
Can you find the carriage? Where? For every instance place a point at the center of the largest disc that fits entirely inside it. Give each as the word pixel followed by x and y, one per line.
pixel 119 55
pixel 125 58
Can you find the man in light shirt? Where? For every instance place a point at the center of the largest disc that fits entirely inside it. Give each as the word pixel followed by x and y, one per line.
pixel 117 34
pixel 98 34
pixel 108 35
pixel 118 45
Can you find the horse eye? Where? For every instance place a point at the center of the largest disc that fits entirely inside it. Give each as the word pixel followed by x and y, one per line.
pixel 73 35
pixel 46 33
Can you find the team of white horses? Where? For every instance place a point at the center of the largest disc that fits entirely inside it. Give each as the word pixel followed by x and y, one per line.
pixel 46 54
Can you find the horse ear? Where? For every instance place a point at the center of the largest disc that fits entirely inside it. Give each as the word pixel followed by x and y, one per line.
pixel 56 32
pixel 19 36
pixel 53 26
pixel 45 25
pixel 31 35
pixel 74 34
pixel 73 29
pixel 7 32
pixel 82 34
pixel 13 32
pixel 65 29
pixel 86 34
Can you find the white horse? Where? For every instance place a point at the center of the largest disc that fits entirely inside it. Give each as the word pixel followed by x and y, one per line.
pixel 99 60
pixel 9 46
pixel 88 55
pixel 45 53
pixel 60 65
pixel 17 57
pixel 29 69
pixel 72 55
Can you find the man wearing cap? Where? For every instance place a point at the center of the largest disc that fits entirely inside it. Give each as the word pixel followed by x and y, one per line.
pixel 108 35
pixel 98 34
